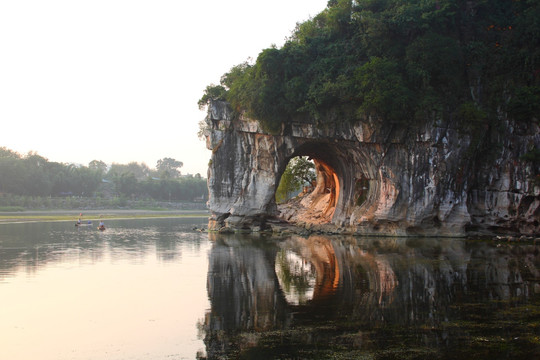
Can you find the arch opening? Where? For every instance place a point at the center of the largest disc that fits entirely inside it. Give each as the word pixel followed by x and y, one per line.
pixel 315 200
pixel 298 179
pixel 345 189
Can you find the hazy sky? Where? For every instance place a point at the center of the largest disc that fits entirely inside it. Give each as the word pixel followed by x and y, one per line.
pixel 119 80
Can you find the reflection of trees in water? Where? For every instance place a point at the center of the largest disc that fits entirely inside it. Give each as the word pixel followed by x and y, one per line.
pixel 314 261
pixel 411 283
pixel 296 276
pixel 32 246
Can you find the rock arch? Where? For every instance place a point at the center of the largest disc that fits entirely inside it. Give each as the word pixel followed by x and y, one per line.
pixel 381 179
pixel 338 172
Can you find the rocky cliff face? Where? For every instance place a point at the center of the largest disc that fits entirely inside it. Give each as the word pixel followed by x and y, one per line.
pixel 373 178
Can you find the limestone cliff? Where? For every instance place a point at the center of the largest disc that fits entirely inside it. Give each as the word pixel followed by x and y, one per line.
pixel 373 178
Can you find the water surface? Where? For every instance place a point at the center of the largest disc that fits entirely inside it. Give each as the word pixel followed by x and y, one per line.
pixel 321 297
pixel 134 291
pixel 159 289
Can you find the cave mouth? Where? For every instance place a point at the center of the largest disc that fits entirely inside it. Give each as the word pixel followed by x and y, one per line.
pixel 316 203
pixel 347 185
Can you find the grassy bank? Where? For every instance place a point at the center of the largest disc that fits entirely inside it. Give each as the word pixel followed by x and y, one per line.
pixel 15 203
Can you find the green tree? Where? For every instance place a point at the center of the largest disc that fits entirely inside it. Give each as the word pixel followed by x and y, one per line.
pixel 182 189
pixel 33 175
pixel 61 176
pixel 525 104
pixel 36 180
pixel 299 172
pixel 139 171
pixel 7 153
pixel 98 165
pixel 126 184
pixel 11 173
pixel 383 91
pixel 212 92
pixel 87 180
pixel 168 168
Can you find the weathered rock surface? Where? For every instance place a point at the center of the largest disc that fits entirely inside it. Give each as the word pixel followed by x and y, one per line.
pixel 373 179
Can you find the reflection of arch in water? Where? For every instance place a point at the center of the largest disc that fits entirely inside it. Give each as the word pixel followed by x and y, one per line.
pixel 381 278
pixel 343 272
pixel 398 282
pixel 318 252
pixel 368 278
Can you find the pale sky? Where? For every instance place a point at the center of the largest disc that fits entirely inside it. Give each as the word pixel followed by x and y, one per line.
pixel 119 80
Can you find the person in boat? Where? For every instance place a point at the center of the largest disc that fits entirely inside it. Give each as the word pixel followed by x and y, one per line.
pixel 79 221
pixel 101 225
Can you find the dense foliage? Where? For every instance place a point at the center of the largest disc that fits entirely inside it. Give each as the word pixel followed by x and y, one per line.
pixel 34 175
pixel 401 61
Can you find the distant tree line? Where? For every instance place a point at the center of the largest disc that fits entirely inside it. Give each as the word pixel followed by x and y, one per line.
pixel 34 175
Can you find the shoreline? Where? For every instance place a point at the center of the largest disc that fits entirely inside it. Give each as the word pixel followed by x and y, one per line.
pixel 28 216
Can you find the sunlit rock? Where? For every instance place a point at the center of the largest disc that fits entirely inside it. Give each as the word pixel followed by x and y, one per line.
pixel 371 179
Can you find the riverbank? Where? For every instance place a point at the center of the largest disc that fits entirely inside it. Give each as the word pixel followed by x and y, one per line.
pixel 95 215
pixel 16 203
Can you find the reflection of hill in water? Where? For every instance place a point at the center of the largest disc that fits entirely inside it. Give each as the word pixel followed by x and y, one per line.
pixel 370 284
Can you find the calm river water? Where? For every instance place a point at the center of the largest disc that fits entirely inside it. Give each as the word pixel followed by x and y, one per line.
pixel 158 289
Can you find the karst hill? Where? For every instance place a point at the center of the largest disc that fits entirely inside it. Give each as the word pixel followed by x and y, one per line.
pixel 422 118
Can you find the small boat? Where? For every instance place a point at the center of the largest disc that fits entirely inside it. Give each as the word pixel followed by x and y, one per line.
pixel 101 228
